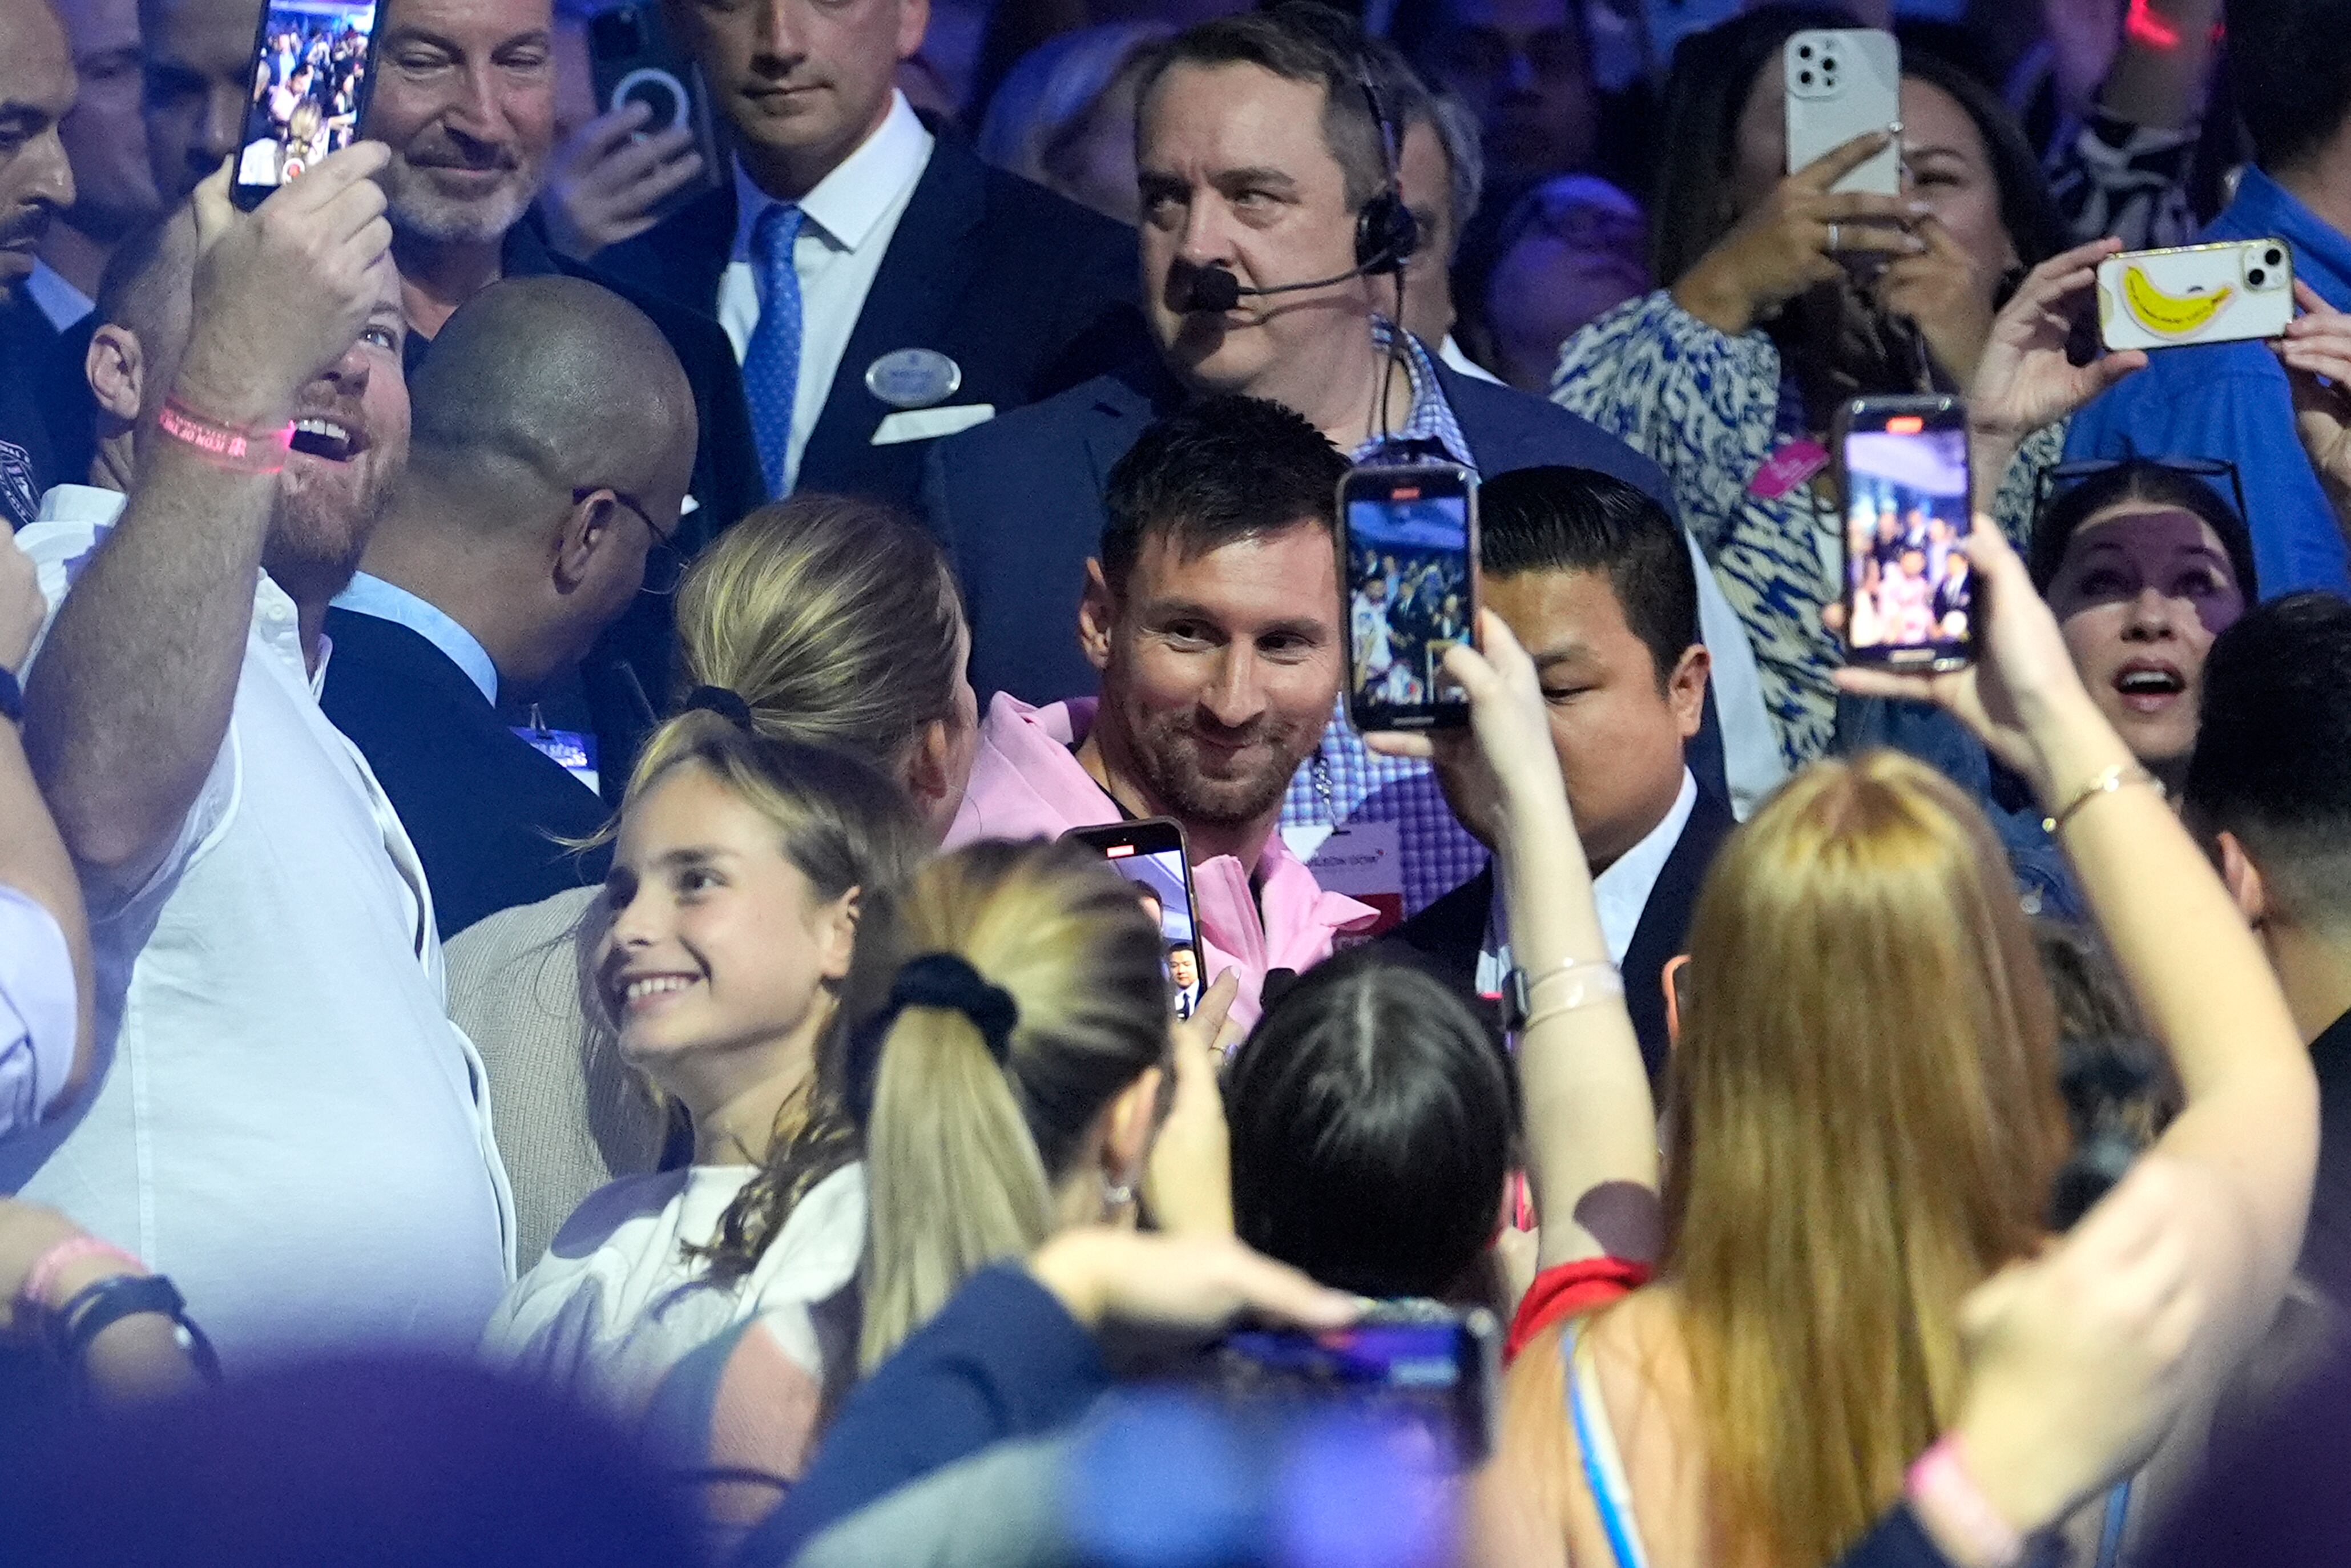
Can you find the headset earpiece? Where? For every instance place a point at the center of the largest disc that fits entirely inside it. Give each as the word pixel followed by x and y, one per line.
pixel 1386 233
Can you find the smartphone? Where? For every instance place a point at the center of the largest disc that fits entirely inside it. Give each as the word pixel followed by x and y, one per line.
pixel 632 59
pixel 1428 1365
pixel 1909 593
pixel 1150 853
pixel 1844 82
pixel 1408 535
pixel 2222 293
pixel 312 65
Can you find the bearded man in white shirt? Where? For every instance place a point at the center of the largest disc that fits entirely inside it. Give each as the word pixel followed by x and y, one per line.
pixel 285 1121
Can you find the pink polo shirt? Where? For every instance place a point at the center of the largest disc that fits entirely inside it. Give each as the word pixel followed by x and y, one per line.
pixel 1025 783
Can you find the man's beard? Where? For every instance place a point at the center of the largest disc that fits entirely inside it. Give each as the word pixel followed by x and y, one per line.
pixel 421 213
pixel 318 532
pixel 1174 766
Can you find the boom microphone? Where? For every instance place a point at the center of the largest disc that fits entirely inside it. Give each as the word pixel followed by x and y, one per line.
pixel 1213 290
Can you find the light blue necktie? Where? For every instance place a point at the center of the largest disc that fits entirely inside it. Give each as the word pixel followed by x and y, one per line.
pixel 771 364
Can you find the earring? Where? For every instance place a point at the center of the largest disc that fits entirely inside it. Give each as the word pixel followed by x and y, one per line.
pixel 1117 1195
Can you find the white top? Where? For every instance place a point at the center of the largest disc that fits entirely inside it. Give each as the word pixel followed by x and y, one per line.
pixel 1621 893
pixel 285 1122
pixel 38 1011
pixel 615 1303
pixel 851 216
pixel 367 595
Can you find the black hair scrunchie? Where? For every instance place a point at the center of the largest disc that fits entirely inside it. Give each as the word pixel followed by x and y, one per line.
pixel 931 980
pixel 727 705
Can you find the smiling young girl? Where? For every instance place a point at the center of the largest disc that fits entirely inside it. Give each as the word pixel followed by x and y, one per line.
pixel 729 919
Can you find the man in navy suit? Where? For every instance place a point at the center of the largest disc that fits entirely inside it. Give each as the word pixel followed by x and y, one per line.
pixel 1259 152
pixel 881 286
pixel 1591 578
pixel 551 443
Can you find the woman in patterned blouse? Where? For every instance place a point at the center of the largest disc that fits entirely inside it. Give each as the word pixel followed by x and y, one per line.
pixel 1785 301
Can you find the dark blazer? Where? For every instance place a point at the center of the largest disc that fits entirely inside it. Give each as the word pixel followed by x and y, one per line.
pixel 1019 502
pixel 46 409
pixel 1029 292
pixel 482 805
pixel 626 676
pixel 1450 933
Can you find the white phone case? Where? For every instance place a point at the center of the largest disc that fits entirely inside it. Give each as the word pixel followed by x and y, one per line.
pixel 2223 293
pixel 1842 83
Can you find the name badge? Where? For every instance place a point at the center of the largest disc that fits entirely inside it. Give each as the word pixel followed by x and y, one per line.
pixel 571 749
pixel 1791 464
pixel 913 378
pixel 1364 862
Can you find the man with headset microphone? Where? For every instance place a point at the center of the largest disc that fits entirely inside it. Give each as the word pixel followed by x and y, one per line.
pixel 1271 236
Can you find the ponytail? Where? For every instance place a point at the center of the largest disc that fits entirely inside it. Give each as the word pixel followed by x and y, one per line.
pixel 967 1140
pixel 950 1164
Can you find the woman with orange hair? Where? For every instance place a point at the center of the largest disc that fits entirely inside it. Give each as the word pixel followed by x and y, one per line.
pixel 1863 1127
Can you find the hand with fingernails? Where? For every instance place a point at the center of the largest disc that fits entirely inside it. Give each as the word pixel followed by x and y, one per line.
pixel 605 181
pixel 1795 237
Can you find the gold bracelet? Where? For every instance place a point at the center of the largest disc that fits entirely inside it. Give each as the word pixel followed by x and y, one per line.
pixel 2105 783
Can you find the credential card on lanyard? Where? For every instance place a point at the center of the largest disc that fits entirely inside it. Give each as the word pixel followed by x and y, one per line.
pixel 1364 862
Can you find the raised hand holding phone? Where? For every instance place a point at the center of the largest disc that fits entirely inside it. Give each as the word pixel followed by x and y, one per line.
pixel 2025 379
pixel 2022 697
pixel 612 178
pixel 281 293
pixel 1794 238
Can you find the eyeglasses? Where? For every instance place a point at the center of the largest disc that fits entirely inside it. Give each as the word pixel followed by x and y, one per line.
pixel 2052 480
pixel 664 562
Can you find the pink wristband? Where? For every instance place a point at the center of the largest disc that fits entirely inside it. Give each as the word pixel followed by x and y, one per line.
pixel 50 1264
pixel 1940 1483
pixel 246 450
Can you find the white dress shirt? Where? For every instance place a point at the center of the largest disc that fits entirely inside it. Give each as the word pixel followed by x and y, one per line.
pixel 388 601
pixel 1621 893
pixel 851 216
pixel 286 1120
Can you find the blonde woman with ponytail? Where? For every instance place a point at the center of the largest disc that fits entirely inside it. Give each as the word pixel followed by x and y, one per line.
pixel 740 875
pixel 1007 1074
pixel 838 623
pixel 1008 1043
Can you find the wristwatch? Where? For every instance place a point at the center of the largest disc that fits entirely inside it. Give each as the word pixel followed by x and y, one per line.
pixel 98 1306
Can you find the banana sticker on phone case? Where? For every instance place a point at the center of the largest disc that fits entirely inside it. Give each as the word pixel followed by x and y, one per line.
pixel 2228 292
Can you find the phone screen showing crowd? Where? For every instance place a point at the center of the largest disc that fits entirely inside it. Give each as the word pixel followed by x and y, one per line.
pixel 309 76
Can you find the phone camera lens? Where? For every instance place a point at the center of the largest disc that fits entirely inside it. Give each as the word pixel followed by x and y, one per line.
pixel 2256 277
pixel 1804 52
pixel 2272 256
pixel 1804 79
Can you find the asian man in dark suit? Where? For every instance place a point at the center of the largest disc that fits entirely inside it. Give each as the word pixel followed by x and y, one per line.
pixel 882 285
pixel 1592 576
pixel 552 441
